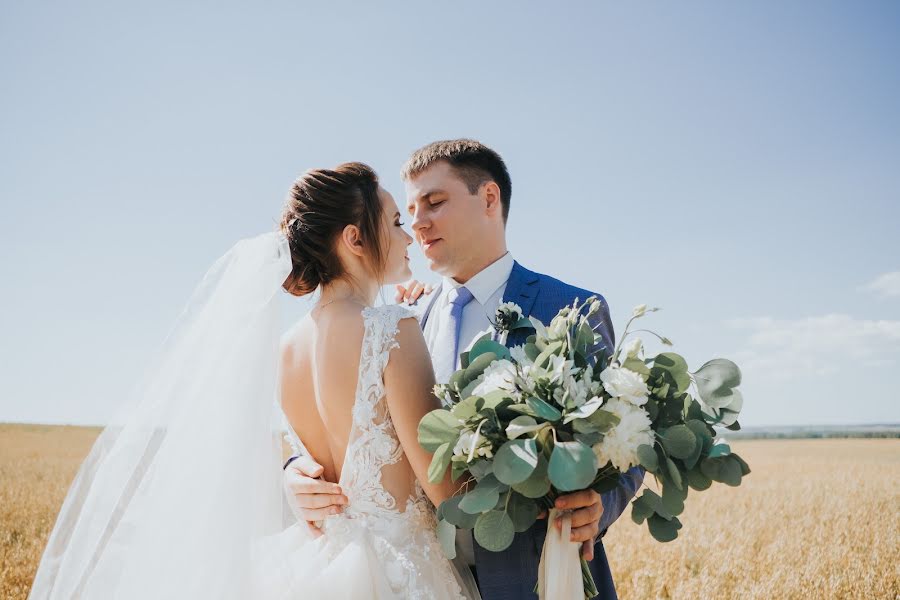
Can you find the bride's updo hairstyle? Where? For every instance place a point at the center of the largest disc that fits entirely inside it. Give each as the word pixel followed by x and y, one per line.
pixel 321 203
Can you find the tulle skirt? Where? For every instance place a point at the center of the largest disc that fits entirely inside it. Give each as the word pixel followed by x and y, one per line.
pixel 353 561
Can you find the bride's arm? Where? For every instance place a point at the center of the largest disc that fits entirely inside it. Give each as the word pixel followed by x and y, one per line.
pixel 409 384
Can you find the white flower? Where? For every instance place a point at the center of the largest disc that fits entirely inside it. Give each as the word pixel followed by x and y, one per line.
pixel 559 328
pixel 510 307
pixel 633 349
pixel 625 384
pixel 578 389
pixel 560 368
pixel 585 410
pixel 518 355
pixel 500 375
pixel 639 311
pixel 620 444
pixel 472 444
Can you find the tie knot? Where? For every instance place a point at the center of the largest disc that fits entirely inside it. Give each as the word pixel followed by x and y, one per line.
pixel 460 296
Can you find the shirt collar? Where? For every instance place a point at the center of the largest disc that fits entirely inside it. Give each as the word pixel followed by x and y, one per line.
pixel 487 281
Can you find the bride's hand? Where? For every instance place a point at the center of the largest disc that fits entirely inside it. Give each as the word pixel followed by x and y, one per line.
pixel 411 291
pixel 313 498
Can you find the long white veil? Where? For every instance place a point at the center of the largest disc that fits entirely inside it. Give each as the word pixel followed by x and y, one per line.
pixel 179 486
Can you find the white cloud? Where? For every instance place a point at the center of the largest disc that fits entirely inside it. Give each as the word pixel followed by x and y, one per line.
pixel 886 285
pixel 820 345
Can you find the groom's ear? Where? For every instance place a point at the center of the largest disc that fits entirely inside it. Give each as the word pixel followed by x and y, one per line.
pixel 351 238
pixel 490 193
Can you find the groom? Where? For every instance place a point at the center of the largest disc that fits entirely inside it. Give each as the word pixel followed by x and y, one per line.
pixel 458 195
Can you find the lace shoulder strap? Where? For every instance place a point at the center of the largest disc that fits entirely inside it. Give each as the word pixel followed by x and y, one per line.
pixel 373 443
pixel 380 337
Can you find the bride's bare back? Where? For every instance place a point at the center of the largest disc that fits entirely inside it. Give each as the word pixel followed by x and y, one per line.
pixel 321 359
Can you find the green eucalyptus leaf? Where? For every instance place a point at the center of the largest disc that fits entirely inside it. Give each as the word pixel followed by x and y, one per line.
pixel 439 462
pixel 543 409
pixel 720 450
pixel 712 468
pixel 438 427
pixel 673 498
pixel 551 349
pixel 647 456
pixel 731 472
pixel 457 468
pixel 703 432
pixel 523 511
pixel 458 379
pixel 678 440
pixel 716 381
pixel 603 420
pixel 538 483
pixel 638 366
pixel 676 366
pixel 451 512
pixel 663 530
pixel 494 399
pixel 573 466
pixel 515 461
pixel 483 497
pixel 494 531
pixel 484 346
pixel 590 438
pixel 465 409
pixel 480 469
pixel 697 480
pixel 446 534
pixel 745 468
pixel 673 472
pixel 640 510
pixel 651 503
pixel 478 365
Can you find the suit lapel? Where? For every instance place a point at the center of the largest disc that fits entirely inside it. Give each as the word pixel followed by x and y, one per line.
pixel 521 288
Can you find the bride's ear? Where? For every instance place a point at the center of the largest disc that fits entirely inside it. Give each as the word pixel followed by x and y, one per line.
pixel 351 239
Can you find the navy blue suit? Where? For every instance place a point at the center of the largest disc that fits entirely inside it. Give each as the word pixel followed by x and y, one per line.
pixel 512 574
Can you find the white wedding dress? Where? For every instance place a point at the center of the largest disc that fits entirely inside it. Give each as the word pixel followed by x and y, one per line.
pixel 383 546
pixel 181 496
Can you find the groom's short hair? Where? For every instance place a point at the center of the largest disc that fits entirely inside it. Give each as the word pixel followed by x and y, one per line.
pixel 474 162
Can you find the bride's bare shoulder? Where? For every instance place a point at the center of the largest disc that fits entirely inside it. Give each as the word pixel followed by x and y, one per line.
pixel 336 327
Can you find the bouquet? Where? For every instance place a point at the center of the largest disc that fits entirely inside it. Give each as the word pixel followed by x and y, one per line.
pixel 562 413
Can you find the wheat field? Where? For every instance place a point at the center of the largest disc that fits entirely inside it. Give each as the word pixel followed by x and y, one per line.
pixel 815 519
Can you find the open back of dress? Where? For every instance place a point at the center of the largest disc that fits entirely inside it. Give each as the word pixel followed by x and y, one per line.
pixel 383 545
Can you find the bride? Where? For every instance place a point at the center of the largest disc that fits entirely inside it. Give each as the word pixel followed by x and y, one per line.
pixel 181 495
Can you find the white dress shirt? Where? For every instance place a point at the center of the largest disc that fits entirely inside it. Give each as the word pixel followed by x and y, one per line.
pixel 487 287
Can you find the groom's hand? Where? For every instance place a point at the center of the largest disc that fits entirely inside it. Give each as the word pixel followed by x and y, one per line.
pixel 587 509
pixel 313 498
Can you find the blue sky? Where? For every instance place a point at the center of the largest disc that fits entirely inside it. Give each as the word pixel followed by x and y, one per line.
pixel 737 164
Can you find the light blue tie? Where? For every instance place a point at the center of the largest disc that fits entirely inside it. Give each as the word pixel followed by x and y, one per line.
pixel 447 342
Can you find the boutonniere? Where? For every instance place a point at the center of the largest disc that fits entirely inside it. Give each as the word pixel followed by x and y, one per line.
pixel 508 317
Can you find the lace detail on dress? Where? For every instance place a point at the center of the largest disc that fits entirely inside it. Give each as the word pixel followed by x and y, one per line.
pixel 405 542
pixel 373 440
